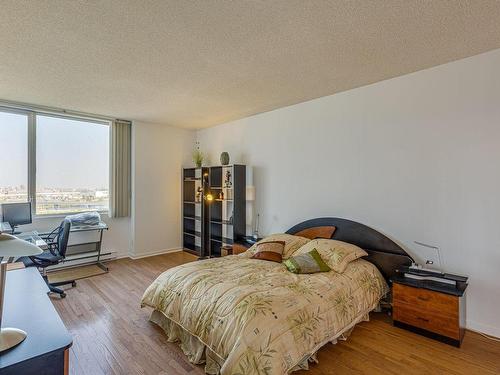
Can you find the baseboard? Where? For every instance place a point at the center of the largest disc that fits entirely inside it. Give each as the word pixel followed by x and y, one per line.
pixel 483 328
pixel 154 253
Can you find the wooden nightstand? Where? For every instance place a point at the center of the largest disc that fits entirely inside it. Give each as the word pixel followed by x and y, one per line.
pixel 429 307
pixel 243 244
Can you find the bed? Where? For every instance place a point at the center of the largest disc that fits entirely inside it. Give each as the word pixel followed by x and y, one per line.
pixel 245 316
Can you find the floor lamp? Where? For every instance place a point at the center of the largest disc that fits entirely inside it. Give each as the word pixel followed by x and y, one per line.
pixel 11 247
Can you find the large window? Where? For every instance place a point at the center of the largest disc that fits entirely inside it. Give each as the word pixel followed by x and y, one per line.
pixel 65 171
pixel 72 165
pixel 14 157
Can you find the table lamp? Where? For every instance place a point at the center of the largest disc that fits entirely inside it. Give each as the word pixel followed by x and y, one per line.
pixel 11 247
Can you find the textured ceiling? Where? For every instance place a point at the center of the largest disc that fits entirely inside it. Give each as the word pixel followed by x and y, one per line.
pixel 199 63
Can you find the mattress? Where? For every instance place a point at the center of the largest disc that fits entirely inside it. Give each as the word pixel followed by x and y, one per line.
pixel 248 316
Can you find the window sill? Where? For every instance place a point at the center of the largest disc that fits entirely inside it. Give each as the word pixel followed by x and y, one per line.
pixel 62 215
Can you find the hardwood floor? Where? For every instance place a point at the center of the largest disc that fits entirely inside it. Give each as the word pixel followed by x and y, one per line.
pixel 112 335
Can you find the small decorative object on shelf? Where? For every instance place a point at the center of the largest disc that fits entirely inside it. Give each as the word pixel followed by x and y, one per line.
pixel 227 179
pixel 197 155
pixel 224 158
pixel 221 195
pixel 199 191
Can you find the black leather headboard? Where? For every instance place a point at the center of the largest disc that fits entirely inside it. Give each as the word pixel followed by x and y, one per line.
pixel 382 251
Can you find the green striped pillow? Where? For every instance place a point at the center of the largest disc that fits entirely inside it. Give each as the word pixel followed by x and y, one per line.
pixel 310 262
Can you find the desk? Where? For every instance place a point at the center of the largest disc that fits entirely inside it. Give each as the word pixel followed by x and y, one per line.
pixel 5 227
pixel 27 306
pixel 97 253
pixel 34 238
pixel 100 228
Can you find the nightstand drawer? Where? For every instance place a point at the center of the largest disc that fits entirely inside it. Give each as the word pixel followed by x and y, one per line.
pixel 431 321
pixel 426 300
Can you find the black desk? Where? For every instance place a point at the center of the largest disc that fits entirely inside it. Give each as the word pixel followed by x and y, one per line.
pixel 27 306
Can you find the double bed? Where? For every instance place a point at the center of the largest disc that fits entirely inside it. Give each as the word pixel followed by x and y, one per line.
pixel 245 316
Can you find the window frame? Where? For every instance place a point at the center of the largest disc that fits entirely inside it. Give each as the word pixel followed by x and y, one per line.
pixel 31 167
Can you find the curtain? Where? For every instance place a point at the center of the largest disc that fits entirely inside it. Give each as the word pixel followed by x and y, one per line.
pixel 120 168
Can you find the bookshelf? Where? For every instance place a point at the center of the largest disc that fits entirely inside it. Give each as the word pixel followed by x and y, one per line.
pixel 192 210
pixel 210 224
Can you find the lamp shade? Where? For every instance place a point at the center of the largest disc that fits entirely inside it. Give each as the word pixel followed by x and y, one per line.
pixel 250 193
pixel 11 246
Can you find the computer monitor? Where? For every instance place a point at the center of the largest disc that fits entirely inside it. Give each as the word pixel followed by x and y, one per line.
pixel 17 213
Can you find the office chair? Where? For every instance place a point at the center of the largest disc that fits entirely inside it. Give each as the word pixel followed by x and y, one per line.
pixel 57 242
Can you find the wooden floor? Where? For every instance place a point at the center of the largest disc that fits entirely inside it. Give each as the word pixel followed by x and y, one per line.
pixel 112 335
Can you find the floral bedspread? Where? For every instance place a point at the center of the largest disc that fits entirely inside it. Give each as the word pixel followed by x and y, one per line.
pixel 258 317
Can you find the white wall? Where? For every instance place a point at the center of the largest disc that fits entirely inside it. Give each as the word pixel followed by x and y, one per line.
pixel 416 157
pixel 159 152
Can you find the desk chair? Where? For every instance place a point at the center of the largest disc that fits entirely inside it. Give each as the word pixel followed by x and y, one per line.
pixel 57 242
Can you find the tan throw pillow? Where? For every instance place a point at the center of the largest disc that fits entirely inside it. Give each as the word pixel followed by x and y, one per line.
pixel 336 254
pixel 292 243
pixel 270 250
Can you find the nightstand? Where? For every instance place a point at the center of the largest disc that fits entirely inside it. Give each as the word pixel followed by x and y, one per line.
pixel 243 244
pixel 431 304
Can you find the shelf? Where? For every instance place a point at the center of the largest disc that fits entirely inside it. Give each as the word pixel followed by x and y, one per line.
pixel 222 240
pixel 223 222
pixel 223 200
pixel 192 217
pixel 195 234
pixel 190 202
pixel 192 179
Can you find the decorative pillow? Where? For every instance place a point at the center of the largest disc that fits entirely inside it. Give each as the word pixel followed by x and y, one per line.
pixel 270 250
pixel 310 262
pixel 325 231
pixel 292 243
pixel 336 254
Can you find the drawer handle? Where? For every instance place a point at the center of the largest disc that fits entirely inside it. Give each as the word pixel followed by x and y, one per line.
pixel 423 298
pixel 423 319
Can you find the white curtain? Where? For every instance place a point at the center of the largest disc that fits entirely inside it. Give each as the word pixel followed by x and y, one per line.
pixel 120 168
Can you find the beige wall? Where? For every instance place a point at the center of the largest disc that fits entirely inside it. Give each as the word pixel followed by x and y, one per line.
pixel 159 152
pixel 415 157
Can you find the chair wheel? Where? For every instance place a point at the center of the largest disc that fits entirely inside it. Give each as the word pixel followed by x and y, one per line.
pixel 73 284
pixel 63 295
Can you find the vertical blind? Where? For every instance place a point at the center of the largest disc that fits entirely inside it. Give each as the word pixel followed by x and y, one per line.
pixel 120 168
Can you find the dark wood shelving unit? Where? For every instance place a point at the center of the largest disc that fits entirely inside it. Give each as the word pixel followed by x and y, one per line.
pixel 192 210
pixel 228 212
pixel 210 224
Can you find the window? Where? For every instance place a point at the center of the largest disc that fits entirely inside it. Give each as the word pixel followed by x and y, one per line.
pixel 72 165
pixel 71 160
pixel 14 151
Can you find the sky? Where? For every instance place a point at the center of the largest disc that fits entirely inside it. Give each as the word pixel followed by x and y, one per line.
pixel 70 153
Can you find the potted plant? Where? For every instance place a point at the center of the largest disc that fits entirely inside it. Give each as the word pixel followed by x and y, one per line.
pixel 197 155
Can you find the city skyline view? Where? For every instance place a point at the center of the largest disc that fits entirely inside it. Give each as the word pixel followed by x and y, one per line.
pixel 72 163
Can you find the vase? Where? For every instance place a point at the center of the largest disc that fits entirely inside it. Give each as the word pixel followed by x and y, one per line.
pixel 224 158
